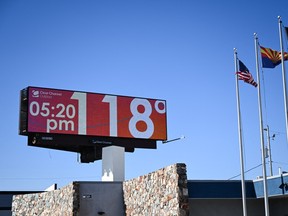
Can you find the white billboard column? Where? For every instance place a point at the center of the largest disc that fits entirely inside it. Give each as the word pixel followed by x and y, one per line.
pixel 113 163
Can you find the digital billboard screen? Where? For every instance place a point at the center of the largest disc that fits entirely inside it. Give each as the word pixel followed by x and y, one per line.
pixel 54 111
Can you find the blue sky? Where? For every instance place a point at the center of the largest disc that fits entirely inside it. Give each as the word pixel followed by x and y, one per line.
pixel 180 51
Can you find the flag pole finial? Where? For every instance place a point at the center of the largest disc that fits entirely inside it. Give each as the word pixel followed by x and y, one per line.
pixel 279 19
pixel 235 50
pixel 255 35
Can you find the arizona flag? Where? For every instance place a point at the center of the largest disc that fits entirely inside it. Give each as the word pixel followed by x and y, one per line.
pixel 271 58
pixel 245 75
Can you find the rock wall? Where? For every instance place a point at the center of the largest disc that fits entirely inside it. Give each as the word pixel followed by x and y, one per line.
pixel 163 192
pixel 64 202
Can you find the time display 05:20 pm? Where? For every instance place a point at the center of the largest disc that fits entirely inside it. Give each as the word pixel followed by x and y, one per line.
pixel 82 113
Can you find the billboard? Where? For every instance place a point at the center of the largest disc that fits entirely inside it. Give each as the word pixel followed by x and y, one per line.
pixel 54 111
pixel 86 122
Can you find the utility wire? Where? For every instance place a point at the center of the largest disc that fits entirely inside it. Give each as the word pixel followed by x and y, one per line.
pixel 246 171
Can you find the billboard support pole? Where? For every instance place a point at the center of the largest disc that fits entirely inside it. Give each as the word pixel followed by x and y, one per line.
pixel 113 163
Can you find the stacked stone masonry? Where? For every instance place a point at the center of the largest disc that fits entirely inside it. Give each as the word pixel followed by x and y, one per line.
pixel 163 192
pixel 62 202
pixel 160 193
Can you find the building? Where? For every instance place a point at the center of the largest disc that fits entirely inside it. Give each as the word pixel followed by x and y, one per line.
pixel 163 192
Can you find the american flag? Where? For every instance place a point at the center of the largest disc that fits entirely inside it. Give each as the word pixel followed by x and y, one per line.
pixel 245 75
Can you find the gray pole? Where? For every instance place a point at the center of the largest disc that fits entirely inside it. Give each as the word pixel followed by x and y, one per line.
pixel 240 137
pixel 261 130
pixel 283 74
pixel 269 150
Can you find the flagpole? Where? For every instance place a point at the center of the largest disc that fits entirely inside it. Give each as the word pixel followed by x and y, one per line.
pixel 283 74
pixel 240 137
pixel 261 130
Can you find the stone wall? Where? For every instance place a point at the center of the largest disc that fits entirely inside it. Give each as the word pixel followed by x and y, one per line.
pixel 64 202
pixel 163 192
